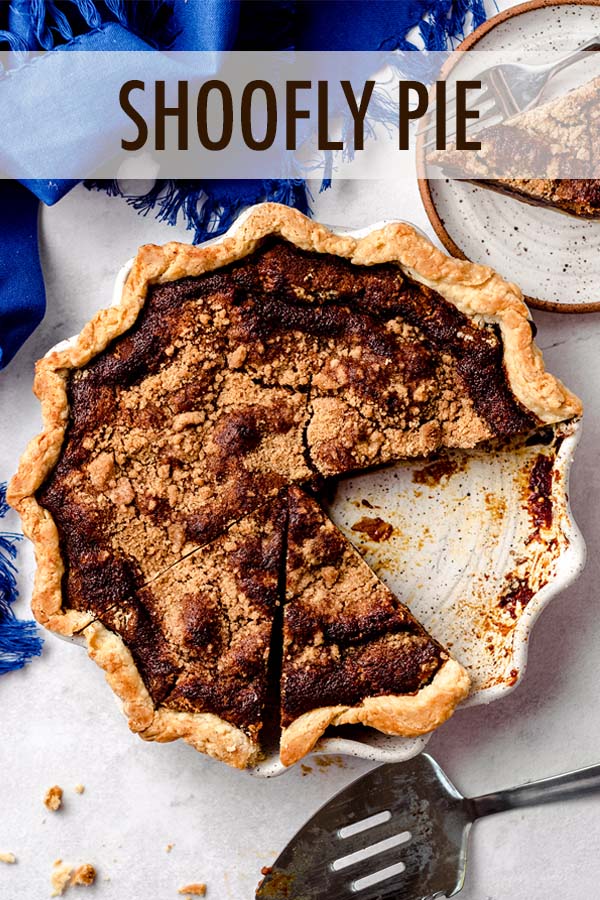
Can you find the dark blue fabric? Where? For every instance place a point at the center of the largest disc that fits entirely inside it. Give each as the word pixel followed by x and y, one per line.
pixel 19 641
pixel 181 25
pixel 22 302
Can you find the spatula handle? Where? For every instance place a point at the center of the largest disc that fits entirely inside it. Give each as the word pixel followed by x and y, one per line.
pixel 560 787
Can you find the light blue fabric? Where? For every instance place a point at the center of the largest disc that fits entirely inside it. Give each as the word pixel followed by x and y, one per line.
pixel 182 25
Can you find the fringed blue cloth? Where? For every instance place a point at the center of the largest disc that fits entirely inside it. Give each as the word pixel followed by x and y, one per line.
pixel 19 641
pixel 207 207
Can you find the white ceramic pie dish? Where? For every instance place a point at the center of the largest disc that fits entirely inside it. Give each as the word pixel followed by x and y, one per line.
pixel 460 527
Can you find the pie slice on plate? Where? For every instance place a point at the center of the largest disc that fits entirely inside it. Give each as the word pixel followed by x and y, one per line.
pixel 352 652
pixel 544 156
pixel 178 424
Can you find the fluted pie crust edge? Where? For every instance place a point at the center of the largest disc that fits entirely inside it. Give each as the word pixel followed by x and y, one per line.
pixel 474 289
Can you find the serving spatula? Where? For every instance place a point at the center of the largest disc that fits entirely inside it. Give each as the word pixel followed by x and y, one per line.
pixel 398 833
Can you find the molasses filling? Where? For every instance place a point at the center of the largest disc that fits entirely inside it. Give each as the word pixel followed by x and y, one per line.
pixel 276 370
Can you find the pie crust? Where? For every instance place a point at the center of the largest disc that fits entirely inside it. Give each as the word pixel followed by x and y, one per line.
pixel 474 290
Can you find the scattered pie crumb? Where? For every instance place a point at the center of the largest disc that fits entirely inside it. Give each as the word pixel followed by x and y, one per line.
pixel 79 788
pixel 169 847
pixel 59 879
pixel 64 876
pixel 8 858
pixel 85 874
pixel 196 890
pixel 53 798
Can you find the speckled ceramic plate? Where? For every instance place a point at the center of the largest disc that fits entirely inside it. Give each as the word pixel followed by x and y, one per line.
pixel 553 257
pixel 475 543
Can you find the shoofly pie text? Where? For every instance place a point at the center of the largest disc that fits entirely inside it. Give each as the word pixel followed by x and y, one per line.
pixel 181 116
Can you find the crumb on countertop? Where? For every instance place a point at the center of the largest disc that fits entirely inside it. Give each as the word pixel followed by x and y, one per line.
pixel 64 876
pixel 53 798
pixel 196 890
pixel 59 879
pixel 8 858
pixel 169 847
pixel 85 874
pixel 79 788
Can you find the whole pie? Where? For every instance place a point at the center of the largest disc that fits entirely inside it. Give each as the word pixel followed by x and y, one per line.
pixel 189 431
pixel 544 156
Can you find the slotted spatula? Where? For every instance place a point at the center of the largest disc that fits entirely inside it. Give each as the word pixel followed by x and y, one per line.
pixel 398 833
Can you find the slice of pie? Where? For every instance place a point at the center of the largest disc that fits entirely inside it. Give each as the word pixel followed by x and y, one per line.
pixel 546 156
pixel 352 652
pixel 178 420
pixel 199 639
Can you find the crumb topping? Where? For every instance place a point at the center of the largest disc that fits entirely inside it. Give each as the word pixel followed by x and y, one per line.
pixel 556 146
pixel 84 875
pixel 64 876
pixel 53 798
pixel 281 369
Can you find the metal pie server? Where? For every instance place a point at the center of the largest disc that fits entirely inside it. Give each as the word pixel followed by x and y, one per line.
pixel 398 833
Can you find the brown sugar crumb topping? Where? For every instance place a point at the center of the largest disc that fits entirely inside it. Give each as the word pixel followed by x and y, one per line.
pixel 64 876
pixel 84 875
pixel 53 798
pixel 278 370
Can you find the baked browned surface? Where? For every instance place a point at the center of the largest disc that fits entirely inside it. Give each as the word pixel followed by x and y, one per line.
pixel 346 637
pixel 275 370
pixel 551 151
pixel 215 610
pixel 200 632
pixel 177 421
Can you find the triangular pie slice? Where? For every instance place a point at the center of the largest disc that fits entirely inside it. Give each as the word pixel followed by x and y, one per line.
pixel 546 156
pixel 194 643
pixel 352 652
pixel 282 355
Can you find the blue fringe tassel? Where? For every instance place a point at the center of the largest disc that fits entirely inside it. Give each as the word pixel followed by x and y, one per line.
pixel 48 24
pixel 19 641
pixel 209 207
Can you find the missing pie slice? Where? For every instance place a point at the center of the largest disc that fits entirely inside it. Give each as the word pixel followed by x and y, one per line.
pixel 178 422
pixel 352 652
pixel 544 156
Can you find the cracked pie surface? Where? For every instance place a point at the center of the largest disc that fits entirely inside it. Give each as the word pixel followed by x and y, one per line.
pixel 172 495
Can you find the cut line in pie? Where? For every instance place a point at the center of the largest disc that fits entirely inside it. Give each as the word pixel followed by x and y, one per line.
pixel 189 430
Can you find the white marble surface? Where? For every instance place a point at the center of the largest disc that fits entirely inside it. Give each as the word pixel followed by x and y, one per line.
pixel 58 723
